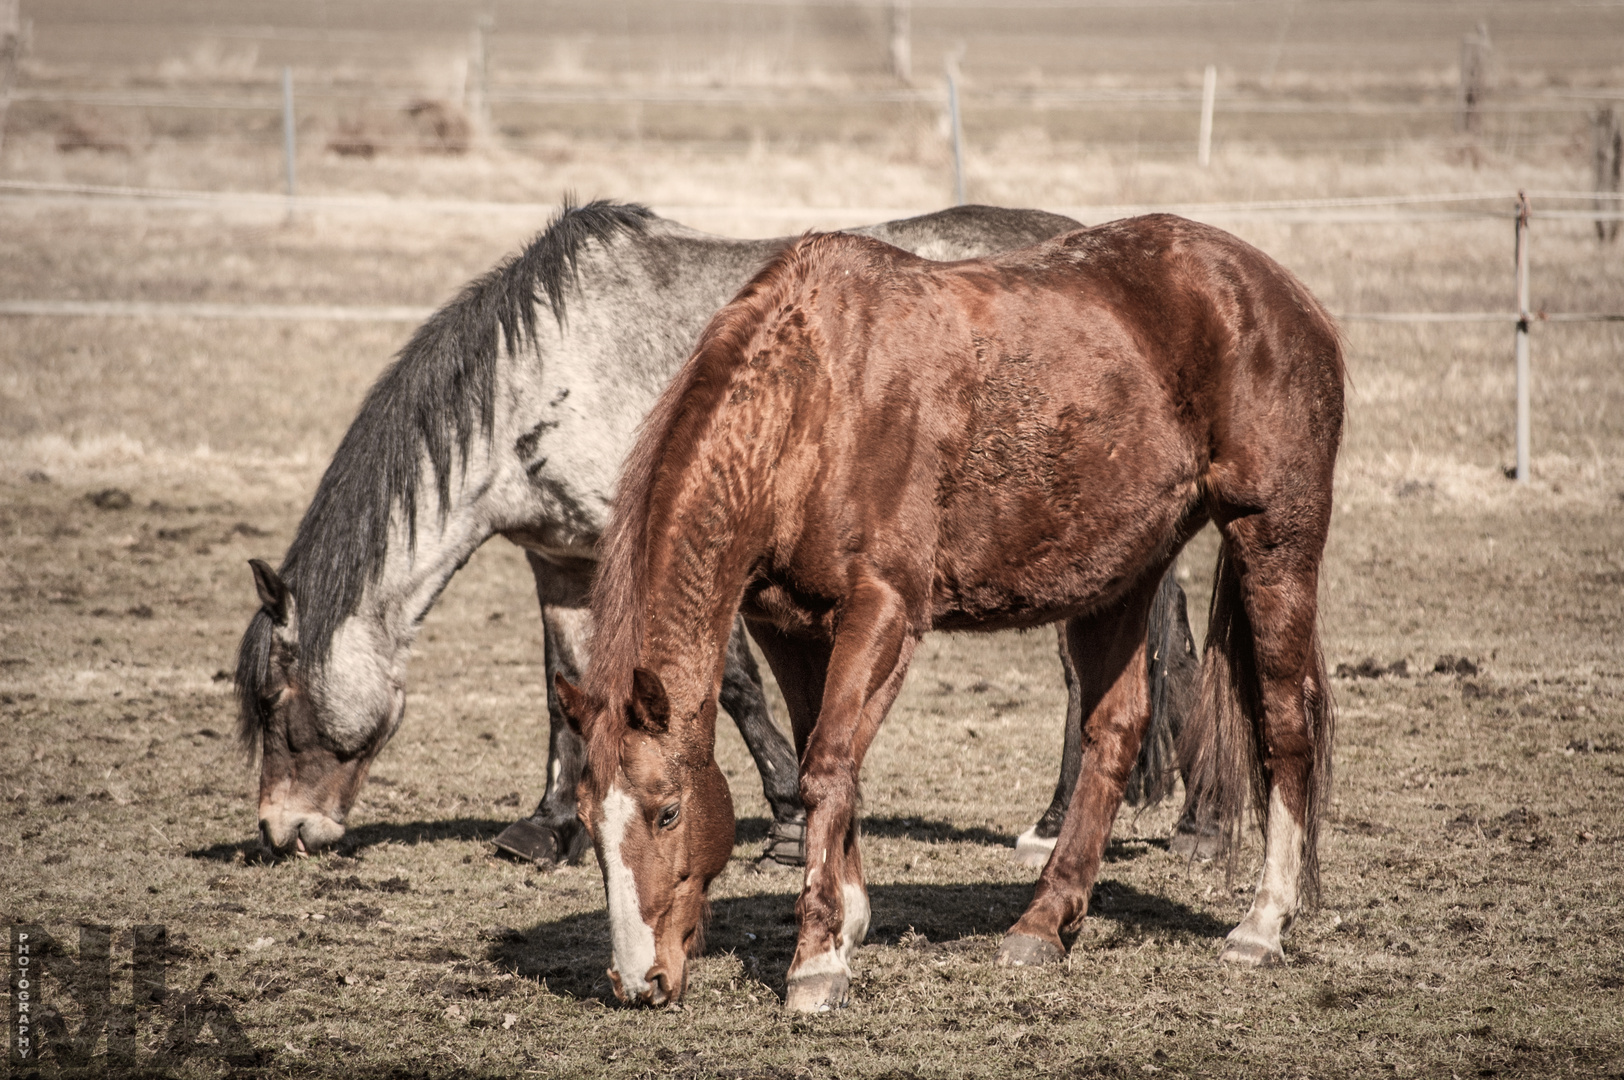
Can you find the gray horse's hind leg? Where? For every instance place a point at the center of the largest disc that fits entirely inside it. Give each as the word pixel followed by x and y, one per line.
pixel 1173 672
pixel 1033 846
pixel 746 701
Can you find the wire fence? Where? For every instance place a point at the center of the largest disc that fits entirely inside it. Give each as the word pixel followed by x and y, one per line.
pixel 1102 117
pixel 1394 208
pixel 264 99
pixel 1330 210
pixel 246 312
pixel 1605 209
pixel 1399 207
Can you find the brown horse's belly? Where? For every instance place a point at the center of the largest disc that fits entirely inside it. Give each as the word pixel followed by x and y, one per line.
pixel 1020 563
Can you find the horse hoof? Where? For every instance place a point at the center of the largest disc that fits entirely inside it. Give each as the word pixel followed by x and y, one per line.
pixel 786 845
pixel 530 841
pixel 817 993
pixel 1033 850
pixel 1024 950
pixel 1253 954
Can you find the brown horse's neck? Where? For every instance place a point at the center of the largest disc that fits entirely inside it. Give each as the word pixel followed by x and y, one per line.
pixel 704 543
pixel 692 519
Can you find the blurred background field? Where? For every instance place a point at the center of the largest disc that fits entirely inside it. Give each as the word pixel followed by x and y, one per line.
pixel 1473 859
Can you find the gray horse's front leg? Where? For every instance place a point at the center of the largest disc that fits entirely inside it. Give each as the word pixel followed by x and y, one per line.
pixel 746 701
pixel 553 833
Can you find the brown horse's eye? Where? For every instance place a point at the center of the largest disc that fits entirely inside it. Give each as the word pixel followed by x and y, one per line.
pixel 668 816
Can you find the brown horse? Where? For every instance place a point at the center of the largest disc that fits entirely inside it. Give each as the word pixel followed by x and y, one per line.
pixel 866 446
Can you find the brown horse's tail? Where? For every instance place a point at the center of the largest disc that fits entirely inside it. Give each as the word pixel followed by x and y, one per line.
pixel 1223 742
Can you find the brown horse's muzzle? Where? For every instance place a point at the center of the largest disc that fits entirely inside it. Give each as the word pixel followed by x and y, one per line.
pixel 662 988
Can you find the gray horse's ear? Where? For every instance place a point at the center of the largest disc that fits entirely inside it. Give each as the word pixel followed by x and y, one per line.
pixel 650 709
pixel 573 701
pixel 273 594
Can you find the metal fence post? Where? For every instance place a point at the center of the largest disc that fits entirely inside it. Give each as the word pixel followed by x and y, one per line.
pixel 1523 423
pixel 288 147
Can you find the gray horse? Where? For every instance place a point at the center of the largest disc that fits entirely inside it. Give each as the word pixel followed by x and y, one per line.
pixel 508 412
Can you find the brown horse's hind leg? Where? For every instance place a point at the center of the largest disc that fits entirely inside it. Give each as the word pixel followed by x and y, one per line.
pixel 1274 575
pixel 1173 676
pixel 864 670
pixel 1109 654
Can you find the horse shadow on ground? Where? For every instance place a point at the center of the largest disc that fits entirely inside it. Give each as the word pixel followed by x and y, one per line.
pixel 568 956
pixel 753 830
pixel 355 842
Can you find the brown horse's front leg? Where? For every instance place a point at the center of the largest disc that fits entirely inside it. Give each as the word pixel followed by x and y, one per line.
pixel 1110 655
pixel 866 668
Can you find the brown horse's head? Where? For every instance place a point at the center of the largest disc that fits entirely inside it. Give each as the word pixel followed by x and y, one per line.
pixel 661 818
pixel 317 727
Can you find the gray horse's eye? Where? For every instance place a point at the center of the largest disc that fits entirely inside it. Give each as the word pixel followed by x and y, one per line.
pixel 668 816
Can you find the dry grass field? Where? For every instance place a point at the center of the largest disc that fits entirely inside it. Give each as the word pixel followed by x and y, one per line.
pixel 1474 857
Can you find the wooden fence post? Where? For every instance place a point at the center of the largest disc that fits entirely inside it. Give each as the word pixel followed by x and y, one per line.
pixel 1474 76
pixel 476 87
pixel 1209 93
pixel 1523 389
pixel 1608 141
pixel 957 124
pixel 902 40
pixel 11 50
pixel 289 137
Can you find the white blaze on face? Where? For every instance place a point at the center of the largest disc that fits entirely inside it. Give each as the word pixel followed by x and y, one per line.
pixel 632 938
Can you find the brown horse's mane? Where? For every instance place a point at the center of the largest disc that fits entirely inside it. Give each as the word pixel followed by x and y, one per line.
pixel 670 435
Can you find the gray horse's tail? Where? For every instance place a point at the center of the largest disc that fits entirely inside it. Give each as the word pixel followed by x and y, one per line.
pixel 1173 672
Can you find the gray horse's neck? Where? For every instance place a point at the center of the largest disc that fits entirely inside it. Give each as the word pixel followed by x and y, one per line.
pixel 365 667
pixel 566 406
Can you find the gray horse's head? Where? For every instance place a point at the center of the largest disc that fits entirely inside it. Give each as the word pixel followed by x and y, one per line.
pixel 317 723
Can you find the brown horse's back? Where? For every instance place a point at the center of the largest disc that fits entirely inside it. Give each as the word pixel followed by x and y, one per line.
pixel 1018 438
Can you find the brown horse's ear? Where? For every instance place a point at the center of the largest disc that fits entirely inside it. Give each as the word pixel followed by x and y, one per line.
pixel 650 709
pixel 572 699
pixel 273 594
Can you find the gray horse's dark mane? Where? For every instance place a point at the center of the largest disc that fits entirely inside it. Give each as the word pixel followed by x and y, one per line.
pixel 429 404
